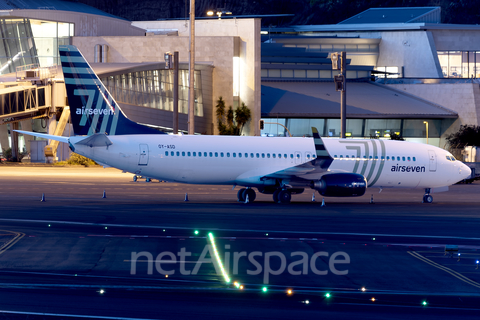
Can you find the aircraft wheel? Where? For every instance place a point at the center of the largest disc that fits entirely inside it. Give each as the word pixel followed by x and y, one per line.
pixel 251 195
pixel 275 195
pixel 134 178
pixel 284 196
pixel 427 198
pixel 240 195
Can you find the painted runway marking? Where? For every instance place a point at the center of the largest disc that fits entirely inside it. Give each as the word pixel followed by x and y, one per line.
pixel 7 245
pixel 447 270
pixel 67 315
pixel 238 230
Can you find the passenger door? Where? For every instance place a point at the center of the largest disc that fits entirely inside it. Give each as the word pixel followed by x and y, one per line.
pixel 432 160
pixel 143 159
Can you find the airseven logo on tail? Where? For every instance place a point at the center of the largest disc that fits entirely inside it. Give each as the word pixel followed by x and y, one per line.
pixel 94 111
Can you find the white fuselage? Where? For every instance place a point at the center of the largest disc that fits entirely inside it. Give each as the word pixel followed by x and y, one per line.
pixel 248 160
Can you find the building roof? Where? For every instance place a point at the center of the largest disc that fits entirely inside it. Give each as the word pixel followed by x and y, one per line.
pixel 364 100
pixel 397 15
pixel 52 5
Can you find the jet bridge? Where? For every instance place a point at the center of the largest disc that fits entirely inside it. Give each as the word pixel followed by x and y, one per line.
pixel 31 93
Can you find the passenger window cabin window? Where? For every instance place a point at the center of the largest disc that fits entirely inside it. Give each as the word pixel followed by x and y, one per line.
pixel 370 157
pixel 263 155
pixel 383 158
pixel 194 154
pixel 183 153
pixel 403 158
pixel 408 158
pixel 291 155
pixel 204 154
pixel 188 153
pixel 376 157
pixel 239 154
pixel 211 154
pixel 258 155
pixel 285 155
pixel 166 153
pixel 268 155
pixel 199 154
pixel 414 159
pixel 234 154
pixel 178 153
pixel 221 154
pixel 172 153
pixel 216 154
pixel 274 155
pixel 398 158
pixel 228 154
pixel 388 158
pixel 308 156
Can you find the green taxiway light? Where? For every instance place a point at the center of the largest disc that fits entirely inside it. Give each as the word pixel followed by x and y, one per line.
pixel 264 289
pixel 424 303
pixel 327 295
pixel 217 257
pixel 196 232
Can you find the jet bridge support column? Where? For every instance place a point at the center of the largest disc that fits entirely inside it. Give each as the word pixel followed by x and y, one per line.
pixel 4 137
pixel 27 126
pixel 51 126
pixel 14 126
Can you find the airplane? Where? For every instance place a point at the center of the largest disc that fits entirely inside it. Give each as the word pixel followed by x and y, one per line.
pixel 281 166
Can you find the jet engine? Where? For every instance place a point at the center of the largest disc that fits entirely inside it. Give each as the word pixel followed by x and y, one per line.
pixel 341 185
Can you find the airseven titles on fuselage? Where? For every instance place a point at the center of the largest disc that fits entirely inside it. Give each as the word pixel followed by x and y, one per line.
pixel 94 111
pixel 398 168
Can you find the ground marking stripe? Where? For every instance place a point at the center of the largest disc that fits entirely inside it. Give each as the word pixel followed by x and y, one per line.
pixel 448 270
pixel 239 230
pixel 67 315
pixel 9 244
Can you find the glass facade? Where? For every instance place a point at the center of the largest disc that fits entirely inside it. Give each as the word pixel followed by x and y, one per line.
pixel 460 64
pixel 154 89
pixel 356 128
pixel 31 42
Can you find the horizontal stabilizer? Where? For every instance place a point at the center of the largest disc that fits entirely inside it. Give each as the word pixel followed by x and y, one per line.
pixel 45 136
pixel 96 140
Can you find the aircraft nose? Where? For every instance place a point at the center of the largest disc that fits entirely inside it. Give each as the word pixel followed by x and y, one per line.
pixel 464 171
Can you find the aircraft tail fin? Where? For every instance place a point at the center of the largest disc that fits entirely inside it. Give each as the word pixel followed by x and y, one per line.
pixel 92 107
pixel 322 154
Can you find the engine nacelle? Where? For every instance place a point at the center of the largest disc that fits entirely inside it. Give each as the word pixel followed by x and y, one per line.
pixel 341 185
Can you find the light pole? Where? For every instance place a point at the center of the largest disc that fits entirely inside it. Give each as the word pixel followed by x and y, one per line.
pixel 191 72
pixel 426 125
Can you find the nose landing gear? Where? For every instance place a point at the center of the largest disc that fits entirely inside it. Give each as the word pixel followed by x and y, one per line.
pixel 243 193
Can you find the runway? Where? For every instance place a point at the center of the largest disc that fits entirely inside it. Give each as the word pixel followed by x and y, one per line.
pixel 57 256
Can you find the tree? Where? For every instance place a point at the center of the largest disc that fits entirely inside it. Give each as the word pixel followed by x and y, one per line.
pixel 467 135
pixel 242 116
pixel 231 122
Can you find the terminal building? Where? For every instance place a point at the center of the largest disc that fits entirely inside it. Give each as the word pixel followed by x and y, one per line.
pixel 404 68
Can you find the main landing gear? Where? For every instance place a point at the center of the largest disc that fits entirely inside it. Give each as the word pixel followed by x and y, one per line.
pixel 243 193
pixel 282 196
pixel 427 198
